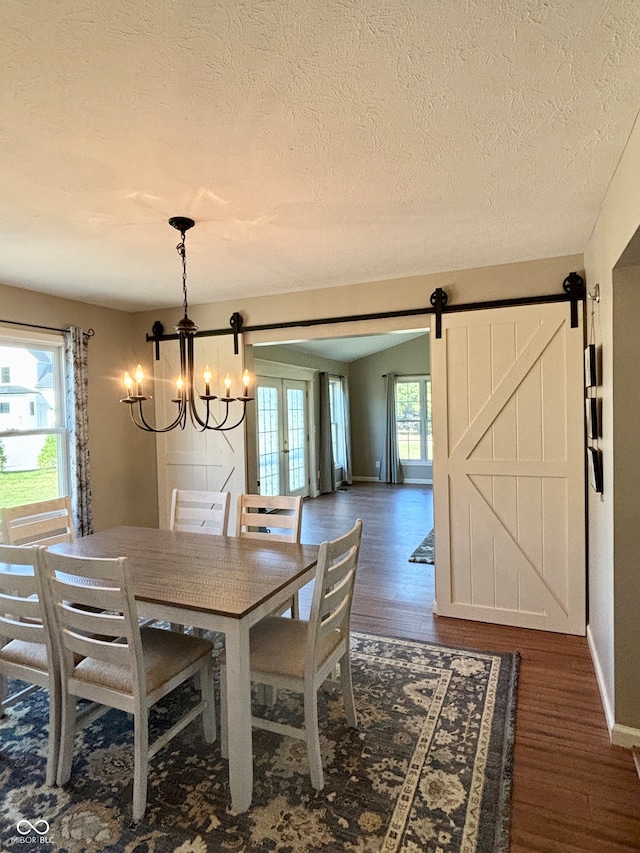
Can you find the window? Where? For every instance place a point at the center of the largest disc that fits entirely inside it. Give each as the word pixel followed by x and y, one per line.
pixel 338 438
pixel 413 418
pixel 34 456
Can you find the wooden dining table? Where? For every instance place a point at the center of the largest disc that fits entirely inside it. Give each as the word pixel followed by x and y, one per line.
pixel 219 583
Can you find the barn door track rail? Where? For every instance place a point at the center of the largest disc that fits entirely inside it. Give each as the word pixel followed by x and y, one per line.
pixel 573 291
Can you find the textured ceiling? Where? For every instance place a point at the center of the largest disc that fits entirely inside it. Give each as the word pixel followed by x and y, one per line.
pixel 315 142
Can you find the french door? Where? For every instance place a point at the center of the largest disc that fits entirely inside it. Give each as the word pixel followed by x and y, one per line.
pixel 282 425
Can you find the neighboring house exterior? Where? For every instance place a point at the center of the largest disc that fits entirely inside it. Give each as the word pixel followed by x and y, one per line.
pixel 26 403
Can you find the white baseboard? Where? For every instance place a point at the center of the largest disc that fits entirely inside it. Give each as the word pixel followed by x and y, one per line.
pixel 604 698
pixel 624 736
pixel 378 480
pixel 619 735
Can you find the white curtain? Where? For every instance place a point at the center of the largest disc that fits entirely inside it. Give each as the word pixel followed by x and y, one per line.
pixel 76 348
pixel 348 474
pixel 327 482
pixel 390 467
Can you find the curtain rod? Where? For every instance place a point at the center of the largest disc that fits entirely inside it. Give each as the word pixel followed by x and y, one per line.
pixel 89 333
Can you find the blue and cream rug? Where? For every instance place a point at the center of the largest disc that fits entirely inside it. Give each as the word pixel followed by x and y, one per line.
pixel 429 769
pixel 426 550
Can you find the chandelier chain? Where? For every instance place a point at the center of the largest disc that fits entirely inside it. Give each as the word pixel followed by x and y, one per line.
pixel 183 254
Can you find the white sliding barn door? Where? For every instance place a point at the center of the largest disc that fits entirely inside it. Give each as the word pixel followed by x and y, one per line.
pixel 508 426
pixel 189 459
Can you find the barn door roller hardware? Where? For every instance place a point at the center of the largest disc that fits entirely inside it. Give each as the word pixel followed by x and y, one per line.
pixel 573 292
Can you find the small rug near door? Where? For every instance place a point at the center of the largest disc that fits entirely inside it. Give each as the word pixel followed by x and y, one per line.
pixel 425 552
pixel 429 768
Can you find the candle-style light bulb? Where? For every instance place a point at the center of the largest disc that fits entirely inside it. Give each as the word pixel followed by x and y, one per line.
pixel 139 377
pixel 206 375
pixel 227 384
pixel 246 380
pixel 128 382
pixel 179 383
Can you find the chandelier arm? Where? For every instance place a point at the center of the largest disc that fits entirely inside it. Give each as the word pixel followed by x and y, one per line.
pixel 142 425
pixel 195 418
pixel 222 428
pixel 178 422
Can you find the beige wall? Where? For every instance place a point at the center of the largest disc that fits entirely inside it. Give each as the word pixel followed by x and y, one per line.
pixel 368 403
pixel 613 547
pixel 122 459
pixel 288 355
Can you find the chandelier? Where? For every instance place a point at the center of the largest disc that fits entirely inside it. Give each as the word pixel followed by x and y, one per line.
pixel 186 391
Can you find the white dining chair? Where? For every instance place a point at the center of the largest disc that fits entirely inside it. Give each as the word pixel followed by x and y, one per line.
pixel 300 655
pixel 39 523
pixel 196 511
pixel 122 665
pixel 26 651
pixel 274 518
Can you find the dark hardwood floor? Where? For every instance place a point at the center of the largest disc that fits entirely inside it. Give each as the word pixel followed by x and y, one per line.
pixel 573 792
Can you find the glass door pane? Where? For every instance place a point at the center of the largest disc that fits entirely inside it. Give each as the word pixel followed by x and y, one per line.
pixel 268 440
pixel 296 440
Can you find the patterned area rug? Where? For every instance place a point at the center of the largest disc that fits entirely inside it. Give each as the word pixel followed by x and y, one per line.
pixel 429 769
pixel 425 552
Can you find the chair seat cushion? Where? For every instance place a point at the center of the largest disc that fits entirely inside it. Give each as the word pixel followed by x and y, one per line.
pixel 166 653
pixel 279 644
pixel 26 654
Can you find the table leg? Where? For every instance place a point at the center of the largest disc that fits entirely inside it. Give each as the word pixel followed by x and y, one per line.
pixel 239 716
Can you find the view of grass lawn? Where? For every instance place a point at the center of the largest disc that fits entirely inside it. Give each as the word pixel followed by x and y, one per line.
pixel 25 487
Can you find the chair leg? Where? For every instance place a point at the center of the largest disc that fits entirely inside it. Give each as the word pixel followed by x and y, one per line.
pixel 295 607
pixel 140 763
pixel 3 694
pixel 347 691
pixel 312 737
pixel 224 720
pixel 53 748
pixel 67 735
pixel 208 697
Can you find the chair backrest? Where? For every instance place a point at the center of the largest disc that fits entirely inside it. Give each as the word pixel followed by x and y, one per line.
pixel 92 605
pixel 333 590
pixel 199 512
pixel 274 517
pixel 22 604
pixel 41 523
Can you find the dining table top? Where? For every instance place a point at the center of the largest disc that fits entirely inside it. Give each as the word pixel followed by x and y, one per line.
pixel 224 575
